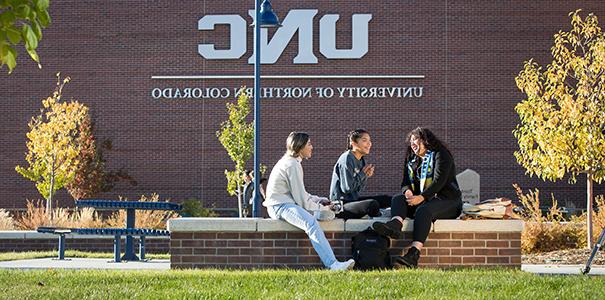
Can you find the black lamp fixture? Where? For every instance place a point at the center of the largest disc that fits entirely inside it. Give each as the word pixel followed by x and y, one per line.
pixel 268 18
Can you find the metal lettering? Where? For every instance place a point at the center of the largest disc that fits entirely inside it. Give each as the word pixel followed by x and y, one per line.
pixel 327 37
pixel 237 37
pixel 298 21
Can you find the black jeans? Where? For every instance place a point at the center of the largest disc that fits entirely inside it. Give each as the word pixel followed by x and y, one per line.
pixel 425 213
pixel 370 205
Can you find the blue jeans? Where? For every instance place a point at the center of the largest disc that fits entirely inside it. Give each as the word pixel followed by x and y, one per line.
pixel 302 219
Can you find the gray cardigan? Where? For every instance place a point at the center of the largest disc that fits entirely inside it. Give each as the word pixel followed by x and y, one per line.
pixel 286 185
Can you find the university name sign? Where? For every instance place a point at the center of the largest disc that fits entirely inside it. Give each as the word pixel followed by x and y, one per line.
pixel 297 20
pixel 374 92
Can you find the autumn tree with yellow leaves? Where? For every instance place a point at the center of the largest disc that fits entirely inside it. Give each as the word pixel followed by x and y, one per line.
pixel 52 145
pixel 562 129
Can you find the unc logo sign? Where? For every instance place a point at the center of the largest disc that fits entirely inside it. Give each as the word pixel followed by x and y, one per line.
pixel 300 20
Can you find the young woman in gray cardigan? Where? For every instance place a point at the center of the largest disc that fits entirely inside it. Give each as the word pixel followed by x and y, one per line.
pixel 288 200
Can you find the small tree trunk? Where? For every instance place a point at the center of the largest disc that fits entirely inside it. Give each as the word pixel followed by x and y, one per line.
pixel 239 200
pixel 589 196
pixel 49 205
pixel 49 202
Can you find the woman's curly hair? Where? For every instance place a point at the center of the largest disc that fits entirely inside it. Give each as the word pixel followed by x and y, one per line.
pixel 430 141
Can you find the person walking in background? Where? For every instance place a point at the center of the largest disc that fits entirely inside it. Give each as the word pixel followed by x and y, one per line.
pixel 350 176
pixel 249 193
pixel 429 192
pixel 288 200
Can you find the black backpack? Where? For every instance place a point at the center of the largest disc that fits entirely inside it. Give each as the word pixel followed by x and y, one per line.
pixel 371 250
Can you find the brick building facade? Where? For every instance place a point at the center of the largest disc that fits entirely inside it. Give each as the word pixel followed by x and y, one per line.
pixel 467 53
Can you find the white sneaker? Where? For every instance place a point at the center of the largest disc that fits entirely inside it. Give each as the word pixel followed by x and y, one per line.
pixel 342 266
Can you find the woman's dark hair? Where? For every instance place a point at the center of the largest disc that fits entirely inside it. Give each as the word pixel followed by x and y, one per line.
pixel 354 136
pixel 296 142
pixel 430 141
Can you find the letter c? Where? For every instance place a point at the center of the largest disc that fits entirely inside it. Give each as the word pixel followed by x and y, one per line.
pixel 237 37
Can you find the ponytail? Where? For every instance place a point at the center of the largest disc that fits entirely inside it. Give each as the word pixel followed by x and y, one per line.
pixel 354 136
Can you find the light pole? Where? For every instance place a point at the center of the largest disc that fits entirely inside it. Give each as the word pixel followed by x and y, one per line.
pixel 264 17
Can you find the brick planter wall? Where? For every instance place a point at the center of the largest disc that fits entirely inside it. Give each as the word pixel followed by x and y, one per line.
pixel 11 241
pixel 261 243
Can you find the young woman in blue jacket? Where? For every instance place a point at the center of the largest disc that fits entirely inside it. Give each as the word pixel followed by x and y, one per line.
pixel 349 178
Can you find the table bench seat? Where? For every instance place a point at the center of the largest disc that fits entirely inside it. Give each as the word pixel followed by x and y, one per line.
pixel 116 232
pixel 106 231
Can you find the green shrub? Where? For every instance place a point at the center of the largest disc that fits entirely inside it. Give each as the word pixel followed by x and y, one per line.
pixel 195 208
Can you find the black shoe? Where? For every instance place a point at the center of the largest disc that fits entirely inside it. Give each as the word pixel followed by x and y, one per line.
pixel 391 229
pixel 409 260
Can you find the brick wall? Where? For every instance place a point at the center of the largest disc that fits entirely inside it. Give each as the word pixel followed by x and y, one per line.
pixel 469 51
pixel 293 249
pixel 265 243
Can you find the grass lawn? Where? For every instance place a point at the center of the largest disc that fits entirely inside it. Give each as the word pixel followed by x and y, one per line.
pixel 4 256
pixel 290 284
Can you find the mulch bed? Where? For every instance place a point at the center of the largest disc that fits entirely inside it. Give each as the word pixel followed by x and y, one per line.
pixel 565 257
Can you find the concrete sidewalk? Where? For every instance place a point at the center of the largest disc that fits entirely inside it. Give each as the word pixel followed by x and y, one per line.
pixel 562 269
pixel 85 263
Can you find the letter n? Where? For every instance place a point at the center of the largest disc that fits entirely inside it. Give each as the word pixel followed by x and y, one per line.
pixel 327 37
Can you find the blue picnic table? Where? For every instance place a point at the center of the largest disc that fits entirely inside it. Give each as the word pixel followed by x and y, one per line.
pixel 130 207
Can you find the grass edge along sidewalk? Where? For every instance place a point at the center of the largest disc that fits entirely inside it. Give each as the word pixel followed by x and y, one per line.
pixel 288 284
pixel 8 256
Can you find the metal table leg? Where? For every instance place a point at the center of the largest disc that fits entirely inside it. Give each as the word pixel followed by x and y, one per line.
pixel 116 248
pixel 142 247
pixel 129 254
pixel 62 246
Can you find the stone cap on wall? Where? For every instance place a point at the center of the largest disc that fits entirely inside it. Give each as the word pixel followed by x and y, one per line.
pixel 337 225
